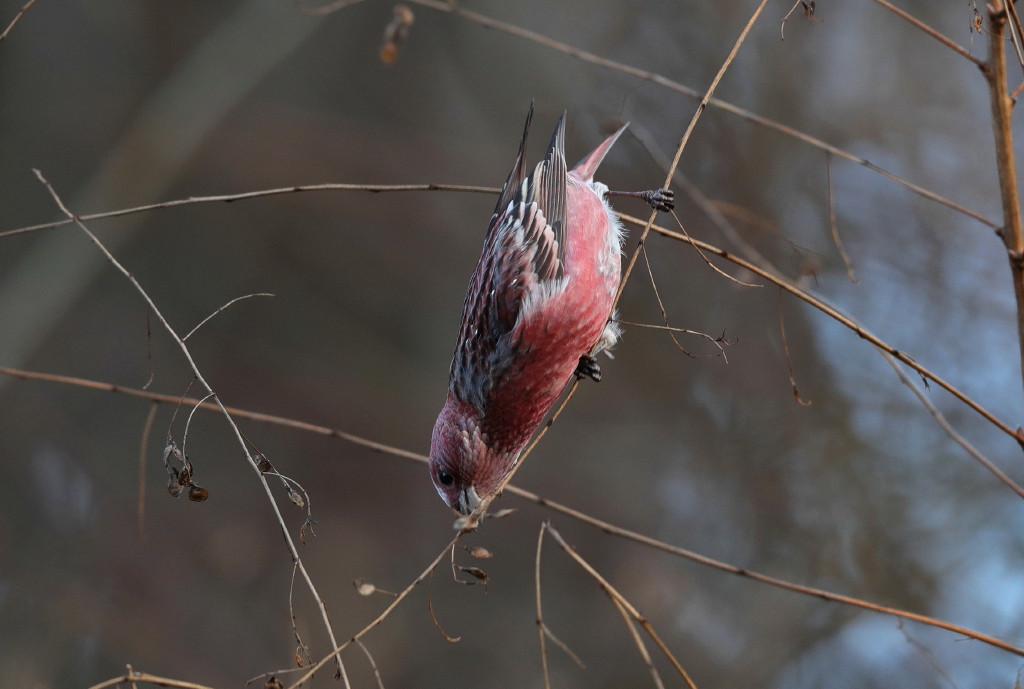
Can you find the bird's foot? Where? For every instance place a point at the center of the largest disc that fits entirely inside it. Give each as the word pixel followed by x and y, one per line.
pixel 588 368
pixel 659 199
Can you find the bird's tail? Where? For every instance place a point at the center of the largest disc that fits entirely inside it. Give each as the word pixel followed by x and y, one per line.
pixel 586 168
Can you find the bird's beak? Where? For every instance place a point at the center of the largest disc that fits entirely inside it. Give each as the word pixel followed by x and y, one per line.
pixel 467 500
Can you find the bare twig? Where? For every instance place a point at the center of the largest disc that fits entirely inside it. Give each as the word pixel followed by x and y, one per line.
pixel 1012 231
pixel 684 140
pixel 929 656
pixel 789 360
pixel 664 317
pixel 704 258
pixel 948 428
pixel 764 578
pixel 373 664
pixel 433 616
pixel 141 501
pixel 641 646
pixel 228 198
pixel 380 618
pixel 245 296
pixel 718 341
pixel 540 608
pixel 22 11
pixel 199 376
pixel 709 208
pixel 188 423
pixel 1016 31
pixel 585 56
pixel 301 647
pixel 330 7
pixel 808 14
pixel 534 498
pixel 235 412
pixel 782 26
pixel 132 676
pixel 845 320
pixel 614 594
pixel 833 224
pixel 944 40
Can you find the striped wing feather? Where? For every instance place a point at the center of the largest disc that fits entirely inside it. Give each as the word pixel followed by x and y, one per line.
pixel 522 258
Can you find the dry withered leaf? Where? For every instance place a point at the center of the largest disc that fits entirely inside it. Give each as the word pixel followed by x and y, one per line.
pixel 476 573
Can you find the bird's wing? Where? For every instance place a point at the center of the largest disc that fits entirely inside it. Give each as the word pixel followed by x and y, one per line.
pixel 521 264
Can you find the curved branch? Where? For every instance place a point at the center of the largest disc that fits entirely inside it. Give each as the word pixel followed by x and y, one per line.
pixel 604 526
pixel 839 316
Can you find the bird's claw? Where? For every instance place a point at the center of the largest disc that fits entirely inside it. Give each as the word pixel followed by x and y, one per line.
pixel 588 368
pixel 660 199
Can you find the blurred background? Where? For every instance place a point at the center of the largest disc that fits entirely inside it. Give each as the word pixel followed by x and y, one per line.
pixel 127 103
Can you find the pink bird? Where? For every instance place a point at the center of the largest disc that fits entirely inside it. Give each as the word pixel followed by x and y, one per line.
pixel 538 302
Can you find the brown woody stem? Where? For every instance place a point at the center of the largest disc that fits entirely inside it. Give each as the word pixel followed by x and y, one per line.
pixel 1002 111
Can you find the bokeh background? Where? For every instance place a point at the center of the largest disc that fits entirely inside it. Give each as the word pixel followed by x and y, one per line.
pixel 861 493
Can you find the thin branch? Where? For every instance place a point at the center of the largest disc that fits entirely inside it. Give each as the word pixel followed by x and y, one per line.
pixel 641 646
pixel 188 423
pixel 948 428
pixel 1012 231
pixel 143 445
pixel 199 376
pixel 635 537
pixel 841 318
pixel 833 224
pixel 614 594
pixel 782 26
pixel 301 647
pixel 708 207
pixel 1016 30
pixel 245 296
pixel 682 144
pixel 131 676
pixel 789 359
pixel 1016 92
pixel 373 664
pixel 235 412
pixel 540 608
pixel 944 40
pixel 664 317
pixel 709 264
pixel 17 17
pixel 664 82
pixel 433 616
pixel 330 7
pixel 380 618
pixel 228 198
pixel 930 657
pixel 604 526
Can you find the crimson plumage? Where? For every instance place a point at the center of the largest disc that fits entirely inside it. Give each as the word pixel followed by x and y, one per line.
pixel 539 299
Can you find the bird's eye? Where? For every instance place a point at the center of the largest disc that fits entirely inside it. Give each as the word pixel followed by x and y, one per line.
pixel 445 478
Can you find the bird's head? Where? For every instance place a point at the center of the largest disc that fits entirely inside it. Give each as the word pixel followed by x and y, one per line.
pixel 464 467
